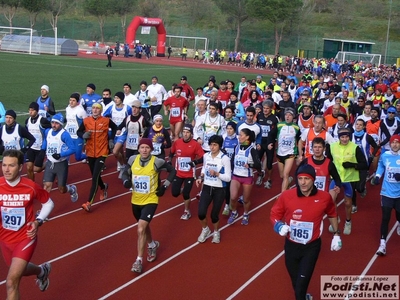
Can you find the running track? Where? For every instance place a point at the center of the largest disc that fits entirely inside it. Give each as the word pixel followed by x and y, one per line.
pixel 92 253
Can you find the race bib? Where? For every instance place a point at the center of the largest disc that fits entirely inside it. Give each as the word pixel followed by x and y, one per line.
pixel 71 129
pixel 207 136
pixel 265 129
pixel 320 182
pixel 37 142
pixel 51 149
pixel 301 232
pixel 208 175
pixel 141 184
pixel 239 162
pixel 390 174
pixel 175 112
pixel 132 141
pixel 183 164
pixel 229 152
pixel 42 113
pixel 157 148
pixel 287 142
pixel 11 145
pixel 13 218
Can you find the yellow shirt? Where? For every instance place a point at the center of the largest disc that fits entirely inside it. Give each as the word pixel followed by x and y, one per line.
pixel 144 182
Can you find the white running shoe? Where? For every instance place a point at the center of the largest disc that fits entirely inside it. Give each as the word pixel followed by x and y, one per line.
pixel 137 266
pixel 382 248
pixel 152 252
pixel 268 184
pixel 347 228
pixel 226 210
pixel 353 209
pixel 216 237
pixel 205 232
pixel 121 171
pixel 186 215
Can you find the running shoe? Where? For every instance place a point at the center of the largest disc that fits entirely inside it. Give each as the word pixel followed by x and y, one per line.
pixel 245 220
pixel 364 193
pixel 152 252
pixel 121 171
pixel 103 192
pixel 137 266
pixel 240 200
pixel 260 178
pixel 232 217
pixel 74 194
pixel 43 281
pixel 226 210
pixel 382 248
pixel 309 297
pixel 216 237
pixel 186 215
pixel 205 232
pixel 268 184
pixel 347 228
pixel 398 228
pixel 86 206
pixel 353 209
pixel 118 166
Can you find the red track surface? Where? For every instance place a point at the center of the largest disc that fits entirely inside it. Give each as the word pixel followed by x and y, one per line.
pixel 92 253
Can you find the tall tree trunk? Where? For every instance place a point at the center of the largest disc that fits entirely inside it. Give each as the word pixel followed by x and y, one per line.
pixel 237 40
pixel 278 38
pixel 123 25
pixel 101 23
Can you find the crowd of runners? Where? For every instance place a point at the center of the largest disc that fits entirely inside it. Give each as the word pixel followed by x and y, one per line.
pixel 339 128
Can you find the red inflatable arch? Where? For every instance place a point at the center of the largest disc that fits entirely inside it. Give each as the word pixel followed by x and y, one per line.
pixel 155 22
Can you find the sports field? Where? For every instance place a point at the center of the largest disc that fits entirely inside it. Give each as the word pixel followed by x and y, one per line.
pixel 23 75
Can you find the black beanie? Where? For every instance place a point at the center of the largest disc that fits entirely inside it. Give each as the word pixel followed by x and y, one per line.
pixel 306 169
pixel 34 106
pixel 11 113
pixel 76 96
pixel 120 95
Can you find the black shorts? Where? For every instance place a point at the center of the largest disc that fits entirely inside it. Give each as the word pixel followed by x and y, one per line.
pixel 35 156
pixel 144 212
pixel 282 159
pixel 391 203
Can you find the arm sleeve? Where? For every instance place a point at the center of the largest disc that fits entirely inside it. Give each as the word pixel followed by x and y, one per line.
pixel 168 143
pixel 81 130
pixel 46 209
pixel 385 131
pixel 334 173
pixel 113 128
pixel 23 132
pixel 160 165
pixel 362 163
pixel 256 160
pixel 66 138
pixel 52 109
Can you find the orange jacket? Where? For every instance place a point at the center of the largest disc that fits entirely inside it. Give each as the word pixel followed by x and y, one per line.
pixel 97 144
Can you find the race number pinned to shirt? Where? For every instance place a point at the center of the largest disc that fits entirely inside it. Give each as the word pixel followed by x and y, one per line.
pixel 265 129
pixel 240 162
pixel 51 149
pixel 183 164
pixel 157 149
pixel 208 176
pixel 13 218
pixel 301 232
pixel 175 112
pixel 141 184
pixel 320 182
pixel 132 141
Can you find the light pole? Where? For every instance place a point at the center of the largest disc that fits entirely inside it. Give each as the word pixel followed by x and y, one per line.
pixel 388 29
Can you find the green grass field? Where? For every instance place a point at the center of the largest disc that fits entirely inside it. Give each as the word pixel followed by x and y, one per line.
pixel 23 75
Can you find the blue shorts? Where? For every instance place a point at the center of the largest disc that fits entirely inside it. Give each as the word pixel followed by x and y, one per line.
pixel 118 138
pixel 347 186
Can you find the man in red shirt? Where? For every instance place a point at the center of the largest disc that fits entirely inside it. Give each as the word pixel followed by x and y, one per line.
pixel 177 107
pixel 187 90
pixel 19 228
pixel 188 154
pixel 297 215
pixel 223 94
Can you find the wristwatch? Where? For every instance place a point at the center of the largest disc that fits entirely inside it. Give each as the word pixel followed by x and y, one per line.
pixel 40 221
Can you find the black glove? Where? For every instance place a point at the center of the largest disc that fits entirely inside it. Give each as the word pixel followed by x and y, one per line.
pixel 348 165
pixel 397 176
pixel 375 180
pixel 111 144
pixel 56 156
pixel 192 164
pixel 161 190
pixel 127 184
pixel 87 135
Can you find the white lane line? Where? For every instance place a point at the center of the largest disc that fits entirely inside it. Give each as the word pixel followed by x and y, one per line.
pixel 255 276
pixel 371 262
pixel 177 254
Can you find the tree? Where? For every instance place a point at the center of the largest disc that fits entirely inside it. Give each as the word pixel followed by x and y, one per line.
pixel 100 9
pixel 9 9
pixel 236 12
pixel 278 12
pixel 34 7
pixel 56 8
pixel 121 8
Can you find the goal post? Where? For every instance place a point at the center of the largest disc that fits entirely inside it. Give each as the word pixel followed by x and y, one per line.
pixel 191 42
pixel 6 31
pixel 343 56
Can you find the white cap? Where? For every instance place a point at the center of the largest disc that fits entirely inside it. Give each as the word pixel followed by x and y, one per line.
pixel 45 87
